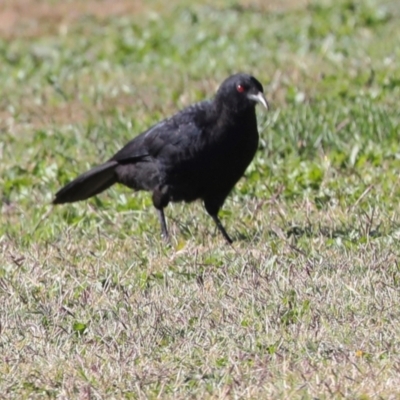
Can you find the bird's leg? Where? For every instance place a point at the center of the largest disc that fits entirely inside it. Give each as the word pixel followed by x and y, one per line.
pixel 221 228
pixel 164 230
pixel 160 200
pixel 212 207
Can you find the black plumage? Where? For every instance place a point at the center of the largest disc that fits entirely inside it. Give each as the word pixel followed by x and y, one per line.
pixel 199 153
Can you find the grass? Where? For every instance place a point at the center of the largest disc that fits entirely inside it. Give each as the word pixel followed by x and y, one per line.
pixel 304 305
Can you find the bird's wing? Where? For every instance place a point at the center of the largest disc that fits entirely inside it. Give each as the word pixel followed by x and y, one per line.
pixel 170 140
pixel 134 150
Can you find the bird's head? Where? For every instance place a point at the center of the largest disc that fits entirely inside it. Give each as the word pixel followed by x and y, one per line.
pixel 240 92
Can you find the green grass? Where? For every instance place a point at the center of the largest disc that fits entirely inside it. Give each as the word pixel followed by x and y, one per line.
pixel 304 305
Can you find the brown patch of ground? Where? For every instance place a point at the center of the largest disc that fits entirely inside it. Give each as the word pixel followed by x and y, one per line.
pixel 33 18
pixel 275 5
pixel 74 111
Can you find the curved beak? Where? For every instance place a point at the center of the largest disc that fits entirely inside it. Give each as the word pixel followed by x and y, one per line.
pixel 259 98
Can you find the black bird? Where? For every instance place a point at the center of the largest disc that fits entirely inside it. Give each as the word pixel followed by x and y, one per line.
pixel 198 153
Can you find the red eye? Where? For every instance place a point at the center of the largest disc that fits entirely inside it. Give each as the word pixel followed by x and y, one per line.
pixel 240 88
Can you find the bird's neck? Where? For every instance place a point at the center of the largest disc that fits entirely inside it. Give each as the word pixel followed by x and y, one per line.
pixel 231 116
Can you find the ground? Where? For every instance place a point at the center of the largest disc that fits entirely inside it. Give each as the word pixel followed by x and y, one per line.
pixel 303 305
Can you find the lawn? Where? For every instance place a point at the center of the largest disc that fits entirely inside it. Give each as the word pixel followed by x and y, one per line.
pixel 304 305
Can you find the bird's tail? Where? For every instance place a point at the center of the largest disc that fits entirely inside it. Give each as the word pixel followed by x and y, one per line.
pixel 88 184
